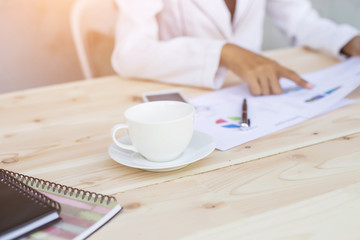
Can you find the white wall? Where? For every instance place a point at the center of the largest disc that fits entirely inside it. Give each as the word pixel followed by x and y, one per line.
pixel 36 46
pixel 340 11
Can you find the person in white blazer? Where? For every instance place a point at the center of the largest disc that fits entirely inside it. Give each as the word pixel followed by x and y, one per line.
pixel 194 42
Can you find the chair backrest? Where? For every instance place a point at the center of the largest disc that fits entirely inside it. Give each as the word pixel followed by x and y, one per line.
pixel 93 25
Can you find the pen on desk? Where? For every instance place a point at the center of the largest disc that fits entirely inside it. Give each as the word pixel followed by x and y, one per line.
pixel 245 122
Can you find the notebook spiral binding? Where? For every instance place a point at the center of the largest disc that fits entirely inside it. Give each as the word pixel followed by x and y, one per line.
pixel 61 189
pixel 7 178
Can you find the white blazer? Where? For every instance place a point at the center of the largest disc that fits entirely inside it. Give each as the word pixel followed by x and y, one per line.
pixel 180 41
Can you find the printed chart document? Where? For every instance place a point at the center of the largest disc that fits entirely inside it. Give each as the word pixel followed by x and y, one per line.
pixel 219 113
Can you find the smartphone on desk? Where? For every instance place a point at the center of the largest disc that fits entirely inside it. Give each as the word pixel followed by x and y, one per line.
pixel 167 95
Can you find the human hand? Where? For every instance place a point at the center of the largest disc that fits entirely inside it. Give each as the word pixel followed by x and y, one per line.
pixel 352 48
pixel 262 74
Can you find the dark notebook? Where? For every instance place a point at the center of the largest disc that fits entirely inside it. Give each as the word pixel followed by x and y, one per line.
pixel 82 212
pixel 22 208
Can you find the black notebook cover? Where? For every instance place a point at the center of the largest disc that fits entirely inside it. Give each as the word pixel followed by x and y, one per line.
pixel 23 209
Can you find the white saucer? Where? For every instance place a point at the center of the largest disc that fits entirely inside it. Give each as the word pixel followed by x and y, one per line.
pixel 199 147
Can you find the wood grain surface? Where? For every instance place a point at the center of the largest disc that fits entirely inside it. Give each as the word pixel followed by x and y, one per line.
pixel 299 183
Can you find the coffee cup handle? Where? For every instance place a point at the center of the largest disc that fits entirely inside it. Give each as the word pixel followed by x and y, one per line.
pixel 114 130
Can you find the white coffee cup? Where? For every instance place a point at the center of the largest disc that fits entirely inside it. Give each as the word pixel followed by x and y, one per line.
pixel 160 130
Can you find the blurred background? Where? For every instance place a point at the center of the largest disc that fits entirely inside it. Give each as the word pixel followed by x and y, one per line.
pixel 37 47
pixel 340 11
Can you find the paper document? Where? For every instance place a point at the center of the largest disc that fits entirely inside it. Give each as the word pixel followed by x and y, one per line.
pixel 219 113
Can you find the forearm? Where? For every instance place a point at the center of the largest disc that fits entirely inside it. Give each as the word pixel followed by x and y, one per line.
pixel 186 61
pixel 352 48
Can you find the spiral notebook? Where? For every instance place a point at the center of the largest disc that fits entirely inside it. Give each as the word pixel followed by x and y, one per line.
pixel 82 212
pixel 23 209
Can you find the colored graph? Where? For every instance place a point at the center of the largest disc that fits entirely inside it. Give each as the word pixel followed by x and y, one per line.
pixel 320 96
pixel 292 89
pixel 230 122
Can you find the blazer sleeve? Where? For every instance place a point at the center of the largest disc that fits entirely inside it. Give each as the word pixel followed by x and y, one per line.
pixel 139 53
pixel 304 27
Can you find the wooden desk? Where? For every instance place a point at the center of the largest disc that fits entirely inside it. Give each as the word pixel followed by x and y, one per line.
pixel 300 183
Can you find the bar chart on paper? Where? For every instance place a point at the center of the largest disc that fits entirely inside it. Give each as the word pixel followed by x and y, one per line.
pixel 219 112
